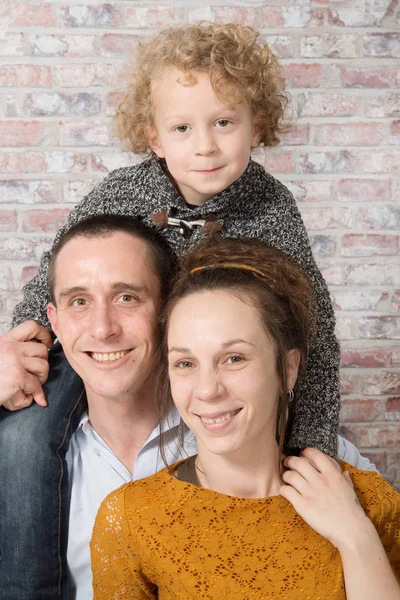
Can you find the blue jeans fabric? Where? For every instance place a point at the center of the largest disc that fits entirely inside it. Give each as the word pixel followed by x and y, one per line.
pixel 34 488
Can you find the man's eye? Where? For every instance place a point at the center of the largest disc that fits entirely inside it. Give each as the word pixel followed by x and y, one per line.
pixel 223 122
pixel 79 302
pixel 127 298
pixel 181 128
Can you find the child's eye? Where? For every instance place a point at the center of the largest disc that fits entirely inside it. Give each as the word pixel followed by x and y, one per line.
pixel 182 128
pixel 79 302
pixel 223 122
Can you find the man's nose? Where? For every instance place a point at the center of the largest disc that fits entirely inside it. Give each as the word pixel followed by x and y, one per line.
pixel 103 322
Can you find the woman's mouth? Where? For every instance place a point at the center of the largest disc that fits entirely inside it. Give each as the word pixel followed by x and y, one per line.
pixel 220 417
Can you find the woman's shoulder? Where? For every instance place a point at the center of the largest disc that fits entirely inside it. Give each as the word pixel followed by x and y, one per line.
pixel 379 499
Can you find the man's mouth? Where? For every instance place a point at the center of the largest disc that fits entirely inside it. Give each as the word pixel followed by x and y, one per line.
pixel 221 417
pixel 108 356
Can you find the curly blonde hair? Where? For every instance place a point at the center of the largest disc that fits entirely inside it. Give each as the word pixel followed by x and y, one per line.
pixel 238 66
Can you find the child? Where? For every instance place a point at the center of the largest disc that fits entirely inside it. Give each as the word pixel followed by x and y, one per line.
pixel 200 99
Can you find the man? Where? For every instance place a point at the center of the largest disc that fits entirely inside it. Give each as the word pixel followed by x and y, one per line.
pixel 108 278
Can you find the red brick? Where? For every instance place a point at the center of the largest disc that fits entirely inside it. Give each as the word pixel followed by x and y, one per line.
pixel 322 246
pixel 271 16
pixel 73 46
pixel 335 217
pixel 332 273
pixel 377 217
pixel 317 17
pixel 372 436
pixel 278 161
pixel 328 104
pixel 98 15
pixel 105 163
pixel 75 191
pixel 56 161
pixel 369 77
pixel 49 104
pixel 118 44
pixel 311 191
pixel 384 45
pixel 22 133
pixel 6 279
pixel 344 328
pixel 378 162
pixel 358 14
pixel 385 382
pixel 329 45
pixel 44 220
pixel 384 105
pixel 358 299
pixel 296 16
pixel 84 75
pixel 396 300
pixel 349 384
pixel 22 248
pixel 157 16
pixel 11 162
pixel 352 134
pixel 27 274
pixel 29 192
pixel 393 405
pixel 12 44
pixel 8 220
pixel 297 136
pixel 25 76
pixel 23 14
pixel 301 75
pixel 341 161
pixel 368 245
pixel 281 45
pixel 364 190
pixel 368 357
pixel 373 274
pixel 395 133
pixel 379 327
pixel 356 410
pixel 84 133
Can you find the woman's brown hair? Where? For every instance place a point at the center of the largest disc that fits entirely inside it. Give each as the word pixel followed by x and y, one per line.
pixel 261 276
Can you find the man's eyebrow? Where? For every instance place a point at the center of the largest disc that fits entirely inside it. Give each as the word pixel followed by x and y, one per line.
pixel 224 345
pixel 118 285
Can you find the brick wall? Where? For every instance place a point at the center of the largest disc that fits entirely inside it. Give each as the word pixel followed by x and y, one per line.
pixel 58 67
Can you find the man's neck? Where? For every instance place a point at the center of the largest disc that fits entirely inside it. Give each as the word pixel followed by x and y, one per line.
pixel 124 424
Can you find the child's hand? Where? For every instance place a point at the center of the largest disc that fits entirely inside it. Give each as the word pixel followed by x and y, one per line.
pixel 24 365
pixel 324 497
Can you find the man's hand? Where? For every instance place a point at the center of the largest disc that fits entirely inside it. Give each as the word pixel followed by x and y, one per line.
pixel 24 365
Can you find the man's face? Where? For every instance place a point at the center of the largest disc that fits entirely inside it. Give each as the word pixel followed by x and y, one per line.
pixel 107 296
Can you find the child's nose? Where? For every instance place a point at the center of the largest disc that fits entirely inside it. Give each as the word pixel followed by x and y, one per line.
pixel 205 143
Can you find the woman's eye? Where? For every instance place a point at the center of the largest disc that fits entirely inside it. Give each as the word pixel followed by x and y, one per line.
pixel 234 359
pixel 184 364
pixel 182 128
pixel 223 122
pixel 79 302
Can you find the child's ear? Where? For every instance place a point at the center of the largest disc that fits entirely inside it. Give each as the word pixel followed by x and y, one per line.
pixel 152 140
pixel 255 140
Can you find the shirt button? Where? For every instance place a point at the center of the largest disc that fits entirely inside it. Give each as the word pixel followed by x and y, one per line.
pixel 97 452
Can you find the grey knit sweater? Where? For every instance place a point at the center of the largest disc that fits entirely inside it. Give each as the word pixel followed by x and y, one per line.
pixel 256 205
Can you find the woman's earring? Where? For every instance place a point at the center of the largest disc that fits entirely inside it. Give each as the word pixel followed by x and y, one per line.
pixel 290 396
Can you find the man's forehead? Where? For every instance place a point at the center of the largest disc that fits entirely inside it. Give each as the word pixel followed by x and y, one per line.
pixel 108 256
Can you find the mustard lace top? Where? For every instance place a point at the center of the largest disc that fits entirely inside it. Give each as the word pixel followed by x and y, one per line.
pixel 164 538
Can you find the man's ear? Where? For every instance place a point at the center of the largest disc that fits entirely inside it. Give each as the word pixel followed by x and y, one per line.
pixel 152 140
pixel 52 316
pixel 292 367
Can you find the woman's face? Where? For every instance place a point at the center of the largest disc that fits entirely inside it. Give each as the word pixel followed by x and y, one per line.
pixel 222 368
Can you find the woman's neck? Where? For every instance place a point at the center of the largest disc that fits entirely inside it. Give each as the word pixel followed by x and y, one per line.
pixel 243 474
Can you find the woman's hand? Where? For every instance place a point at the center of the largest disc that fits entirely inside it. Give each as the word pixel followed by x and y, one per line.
pixel 324 497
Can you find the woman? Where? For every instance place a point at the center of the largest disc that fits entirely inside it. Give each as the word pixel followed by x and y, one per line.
pixel 240 520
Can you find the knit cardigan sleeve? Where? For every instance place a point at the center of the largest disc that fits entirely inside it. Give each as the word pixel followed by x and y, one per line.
pixel 314 416
pixel 111 196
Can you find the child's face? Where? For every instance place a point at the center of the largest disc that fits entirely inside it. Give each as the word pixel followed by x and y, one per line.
pixel 205 143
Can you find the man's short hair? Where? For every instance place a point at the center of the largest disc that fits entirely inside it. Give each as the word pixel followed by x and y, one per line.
pixel 163 258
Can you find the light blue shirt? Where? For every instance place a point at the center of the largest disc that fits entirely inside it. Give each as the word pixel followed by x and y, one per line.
pixel 94 472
